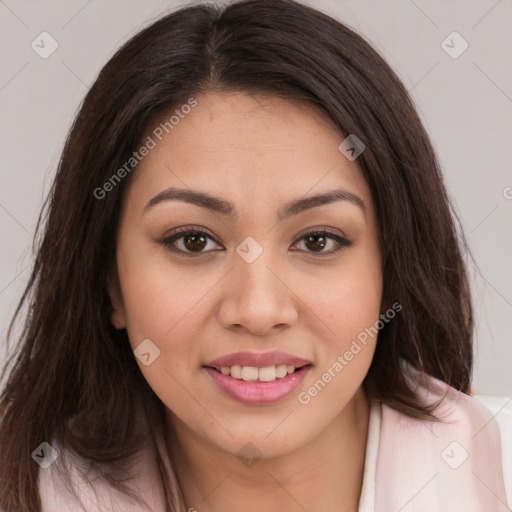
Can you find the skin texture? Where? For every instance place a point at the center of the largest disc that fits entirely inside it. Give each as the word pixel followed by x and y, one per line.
pixel 258 152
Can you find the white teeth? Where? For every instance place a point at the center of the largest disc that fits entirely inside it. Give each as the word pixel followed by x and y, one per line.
pixel 267 374
pixel 249 373
pixel 236 371
pixel 252 373
pixel 281 370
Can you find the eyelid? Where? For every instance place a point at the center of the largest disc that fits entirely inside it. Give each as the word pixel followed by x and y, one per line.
pixel 323 229
pixel 342 240
pixel 174 235
pixel 186 229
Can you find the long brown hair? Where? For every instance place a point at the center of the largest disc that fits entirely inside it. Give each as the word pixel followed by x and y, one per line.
pixel 71 364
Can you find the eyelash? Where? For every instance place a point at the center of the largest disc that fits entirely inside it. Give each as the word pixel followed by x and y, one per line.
pixel 194 230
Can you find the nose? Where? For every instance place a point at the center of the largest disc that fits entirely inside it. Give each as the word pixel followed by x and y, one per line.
pixel 258 298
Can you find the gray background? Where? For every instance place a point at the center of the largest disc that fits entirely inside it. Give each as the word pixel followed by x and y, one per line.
pixel 465 103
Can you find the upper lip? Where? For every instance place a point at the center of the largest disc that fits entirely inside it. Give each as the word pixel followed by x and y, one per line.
pixel 258 359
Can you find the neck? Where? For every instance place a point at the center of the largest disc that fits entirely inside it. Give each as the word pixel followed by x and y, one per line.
pixel 324 474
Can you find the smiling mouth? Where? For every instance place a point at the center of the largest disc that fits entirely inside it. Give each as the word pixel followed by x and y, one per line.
pixel 257 374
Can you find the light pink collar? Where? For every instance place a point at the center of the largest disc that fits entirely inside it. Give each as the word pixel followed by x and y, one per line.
pixel 420 466
pixel 451 466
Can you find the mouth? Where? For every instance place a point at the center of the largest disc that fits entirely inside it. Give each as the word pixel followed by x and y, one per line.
pixel 250 385
pixel 258 374
pixel 257 378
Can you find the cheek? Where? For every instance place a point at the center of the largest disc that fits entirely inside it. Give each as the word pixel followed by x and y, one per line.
pixel 164 307
pixel 159 298
pixel 350 307
pixel 353 304
pixel 348 297
pixel 168 301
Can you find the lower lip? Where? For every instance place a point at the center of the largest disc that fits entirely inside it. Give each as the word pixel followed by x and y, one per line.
pixel 259 393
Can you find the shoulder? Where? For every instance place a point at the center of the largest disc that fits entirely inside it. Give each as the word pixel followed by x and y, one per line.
pixel 456 461
pixel 501 409
pixel 66 483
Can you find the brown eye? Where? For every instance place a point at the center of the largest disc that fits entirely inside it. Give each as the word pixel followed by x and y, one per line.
pixel 317 241
pixel 188 241
pixel 195 242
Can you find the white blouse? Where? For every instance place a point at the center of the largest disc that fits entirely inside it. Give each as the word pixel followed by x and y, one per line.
pixel 56 498
pixel 500 407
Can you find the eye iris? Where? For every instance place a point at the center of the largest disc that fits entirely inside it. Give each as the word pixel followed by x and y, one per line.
pixel 194 238
pixel 318 244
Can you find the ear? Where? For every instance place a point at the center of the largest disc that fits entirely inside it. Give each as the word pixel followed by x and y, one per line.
pixel 117 313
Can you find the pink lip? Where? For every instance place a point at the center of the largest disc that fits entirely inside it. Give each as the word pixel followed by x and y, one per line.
pixel 256 392
pixel 258 359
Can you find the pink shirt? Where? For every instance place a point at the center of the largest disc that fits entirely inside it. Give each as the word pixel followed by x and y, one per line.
pixel 463 464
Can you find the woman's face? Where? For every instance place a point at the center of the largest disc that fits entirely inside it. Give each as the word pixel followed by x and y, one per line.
pixel 253 280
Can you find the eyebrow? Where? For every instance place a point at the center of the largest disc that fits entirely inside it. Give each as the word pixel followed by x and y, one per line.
pixel 223 207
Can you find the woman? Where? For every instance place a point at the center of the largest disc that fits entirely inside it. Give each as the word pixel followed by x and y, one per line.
pixel 250 292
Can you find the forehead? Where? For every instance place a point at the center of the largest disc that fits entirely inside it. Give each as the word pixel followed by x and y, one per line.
pixel 252 147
